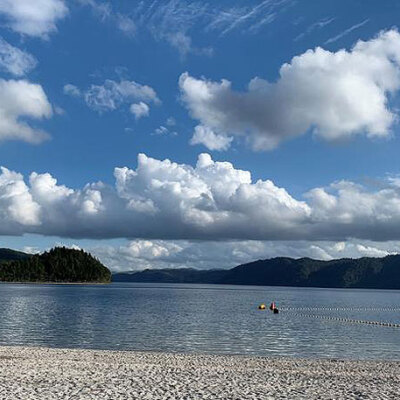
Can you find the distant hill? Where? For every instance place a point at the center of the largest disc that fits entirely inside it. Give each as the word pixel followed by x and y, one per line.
pixel 58 265
pixel 8 255
pixel 378 273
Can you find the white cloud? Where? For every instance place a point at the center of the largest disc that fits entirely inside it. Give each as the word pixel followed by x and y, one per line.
pixel 17 208
pixel 33 18
pixel 15 61
pixel 163 17
pixel 336 95
pixel 139 254
pixel 111 95
pixel 171 121
pixel 213 200
pixel 71 90
pixel 370 251
pixel 183 44
pixel 151 249
pixel 167 200
pixel 206 136
pixel 21 100
pixel 347 31
pixel 173 21
pixel 31 250
pixel 140 110
pixel 181 41
pixel 125 24
pixel 105 13
pixel 161 130
pixel 316 25
pixel 58 110
pixel 155 254
pixel 164 131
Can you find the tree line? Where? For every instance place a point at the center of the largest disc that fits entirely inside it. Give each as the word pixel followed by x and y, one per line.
pixel 57 265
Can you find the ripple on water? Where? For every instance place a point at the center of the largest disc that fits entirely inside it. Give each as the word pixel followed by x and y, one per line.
pixel 202 318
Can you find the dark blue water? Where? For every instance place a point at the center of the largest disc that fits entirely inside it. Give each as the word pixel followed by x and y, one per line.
pixel 200 318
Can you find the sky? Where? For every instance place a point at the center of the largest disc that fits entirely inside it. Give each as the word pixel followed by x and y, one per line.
pixel 177 133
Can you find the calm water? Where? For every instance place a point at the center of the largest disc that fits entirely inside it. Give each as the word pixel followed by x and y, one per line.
pixel 199 318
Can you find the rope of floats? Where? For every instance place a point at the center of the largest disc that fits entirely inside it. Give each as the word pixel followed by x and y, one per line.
pixel 334 318
pixel 351 321
pixel 340 309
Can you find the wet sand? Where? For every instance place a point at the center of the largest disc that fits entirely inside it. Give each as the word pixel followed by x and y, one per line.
pixel 41 373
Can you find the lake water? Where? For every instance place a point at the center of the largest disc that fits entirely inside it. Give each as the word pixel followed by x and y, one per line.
pixel 201 319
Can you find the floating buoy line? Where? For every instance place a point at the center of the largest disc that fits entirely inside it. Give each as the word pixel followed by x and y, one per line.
pixel 340 308
pixel 298 312
pixel 351 321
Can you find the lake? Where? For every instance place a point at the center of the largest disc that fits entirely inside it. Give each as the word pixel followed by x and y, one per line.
pixel 202 319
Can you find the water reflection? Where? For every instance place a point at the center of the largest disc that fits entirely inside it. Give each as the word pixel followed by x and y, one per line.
pixel 190 318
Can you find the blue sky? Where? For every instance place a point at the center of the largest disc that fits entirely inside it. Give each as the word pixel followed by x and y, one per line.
pixel 108 81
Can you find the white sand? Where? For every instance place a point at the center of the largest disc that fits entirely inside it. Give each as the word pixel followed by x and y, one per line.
pixel 41 373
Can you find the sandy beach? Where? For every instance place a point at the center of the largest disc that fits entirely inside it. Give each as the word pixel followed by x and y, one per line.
pixel 41 373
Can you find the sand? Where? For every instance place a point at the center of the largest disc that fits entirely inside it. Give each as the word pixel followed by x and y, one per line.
pixel 41 373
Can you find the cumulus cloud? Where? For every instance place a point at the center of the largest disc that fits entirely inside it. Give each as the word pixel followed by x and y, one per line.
pixel 206 136
pixel 15 61
pixel 213 200
pixel 21 101
pixel 336 95
pixel 111 95
pixel 140 110
pixel 346 203
pixel 33 18
pixel 17 208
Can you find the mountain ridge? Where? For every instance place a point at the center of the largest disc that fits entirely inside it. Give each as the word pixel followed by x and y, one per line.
pixel 365 272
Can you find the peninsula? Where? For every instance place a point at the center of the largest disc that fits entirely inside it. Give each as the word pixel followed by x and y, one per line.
pixel 59 265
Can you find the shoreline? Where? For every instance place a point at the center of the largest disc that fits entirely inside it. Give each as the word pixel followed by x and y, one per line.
pixel 53 283
pixel 217 285
pixel 40 372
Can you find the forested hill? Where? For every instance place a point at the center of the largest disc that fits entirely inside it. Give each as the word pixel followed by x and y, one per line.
pixel 58 265
pixel 378 273
pixel 8 255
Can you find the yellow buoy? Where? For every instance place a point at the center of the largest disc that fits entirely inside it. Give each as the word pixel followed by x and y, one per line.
pixel 261 307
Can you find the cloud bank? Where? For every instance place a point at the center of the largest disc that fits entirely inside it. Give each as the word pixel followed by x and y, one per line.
pixel 335 95
pixel 154 254
pixel 211 201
